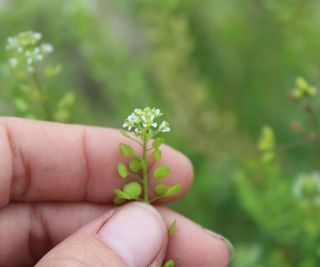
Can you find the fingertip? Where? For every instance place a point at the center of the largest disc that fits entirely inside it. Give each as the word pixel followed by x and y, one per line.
pixel 208 248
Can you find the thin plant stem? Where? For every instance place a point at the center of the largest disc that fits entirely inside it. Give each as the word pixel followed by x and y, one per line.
pixel 43 99
pixel 145 171
pixel 134 140
pixel 309 108
pixel 298 143
pixel 157 198
pixel 136 178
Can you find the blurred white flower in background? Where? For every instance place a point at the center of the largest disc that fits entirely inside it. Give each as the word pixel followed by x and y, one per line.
pixel 307 187
pixel 27 50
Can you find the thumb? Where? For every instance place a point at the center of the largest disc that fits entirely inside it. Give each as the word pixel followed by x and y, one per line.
pixel 133 235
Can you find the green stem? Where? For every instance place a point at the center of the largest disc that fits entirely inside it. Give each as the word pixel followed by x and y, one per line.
pixel 134 140
pixel 312 114
pixel 145 171
pixel 43 99
pixel 157 198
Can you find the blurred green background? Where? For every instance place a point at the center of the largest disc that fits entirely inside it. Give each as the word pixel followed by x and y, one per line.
pixel 219 70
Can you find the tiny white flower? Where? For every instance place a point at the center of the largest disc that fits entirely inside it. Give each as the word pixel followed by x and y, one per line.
pixel 164 127
pixel 132 118
pixel 37 35
pixel 47 48
pixel 39 57
pixel 30 69
pixel 154 124
pixel 13 62
pixel 11 43
pixel 29 61
pixel 307 187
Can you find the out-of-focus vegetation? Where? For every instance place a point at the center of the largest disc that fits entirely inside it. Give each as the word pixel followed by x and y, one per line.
pixel 221 70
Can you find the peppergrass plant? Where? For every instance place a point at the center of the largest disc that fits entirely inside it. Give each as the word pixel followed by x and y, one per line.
pixel 28 64
pixel 142 127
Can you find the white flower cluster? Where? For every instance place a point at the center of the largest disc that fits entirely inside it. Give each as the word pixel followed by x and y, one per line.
pixel 27 49
pixel 307 187
pixel 141 121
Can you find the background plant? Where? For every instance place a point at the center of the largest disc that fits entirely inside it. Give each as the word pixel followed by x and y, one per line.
pixel 220 70
pixel 27 54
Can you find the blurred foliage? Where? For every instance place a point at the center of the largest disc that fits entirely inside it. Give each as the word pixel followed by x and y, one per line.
pixel 220 70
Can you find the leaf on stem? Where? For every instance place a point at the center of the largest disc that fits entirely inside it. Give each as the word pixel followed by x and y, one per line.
pixel 118 201
pixel 168 191
pixel 20 104
pixel 156 155
pixel 157 143
pixel 161 172
pixel 126 150
pixel 66 101
pixel 161 189
pixel 122 170
pixel 124 133
pixel 135 165
pixel 52 71
pixel 133 189
pixel 169 263
pixel 121 194
pixel 172 228
pixel 174 190
pixel 164 190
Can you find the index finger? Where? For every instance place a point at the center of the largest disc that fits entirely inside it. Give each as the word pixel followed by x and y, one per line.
pixel 43 161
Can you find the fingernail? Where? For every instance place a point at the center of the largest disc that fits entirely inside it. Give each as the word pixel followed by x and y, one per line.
pixel 225 240
pixel 135 233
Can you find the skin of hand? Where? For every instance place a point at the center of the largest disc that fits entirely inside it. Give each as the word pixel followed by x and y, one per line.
pixel 56 191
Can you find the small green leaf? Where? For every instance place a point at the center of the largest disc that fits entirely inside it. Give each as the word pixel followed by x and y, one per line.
pixel 124 133
pixel 173 190
pixel 52 71
pixel 121 194
pixel 66 101
pixel 133 189
pixel 156 155
pixel 135 164
pixel 118 201
pixel 161 189
pixel 267 139
pixel 161 172
pixel 169 263
pixel 268 157
pixel 122 169
pixel 172 228
pixel 20 104
pixel 157 143
pixel 126 150
pixel 61 115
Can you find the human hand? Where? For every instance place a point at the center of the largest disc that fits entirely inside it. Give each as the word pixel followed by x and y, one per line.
pixel 56 190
